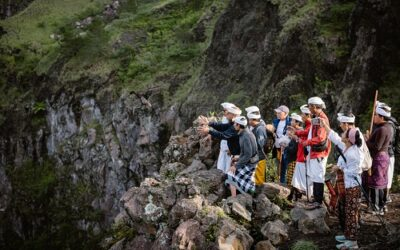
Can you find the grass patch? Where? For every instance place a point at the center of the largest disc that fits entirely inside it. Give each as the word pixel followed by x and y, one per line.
pixel 304 245
pixel 39 20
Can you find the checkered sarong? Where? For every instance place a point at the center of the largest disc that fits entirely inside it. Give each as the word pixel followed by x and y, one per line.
pixel 290 171
pixel 243 180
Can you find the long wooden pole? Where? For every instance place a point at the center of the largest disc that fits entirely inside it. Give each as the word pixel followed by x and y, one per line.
pixel 373 112
pixel 372 123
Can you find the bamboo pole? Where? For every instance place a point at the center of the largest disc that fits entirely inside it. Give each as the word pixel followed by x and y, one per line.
pixel 373 112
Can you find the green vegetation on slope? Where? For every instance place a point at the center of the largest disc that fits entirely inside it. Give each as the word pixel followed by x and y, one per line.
pixel 150 44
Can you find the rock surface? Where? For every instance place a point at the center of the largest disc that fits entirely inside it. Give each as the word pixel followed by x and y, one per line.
pixel 310 221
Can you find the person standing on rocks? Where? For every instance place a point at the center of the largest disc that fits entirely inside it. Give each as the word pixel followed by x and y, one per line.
pixel 240 176
pixel 378 145
pixel 223 131
pixel 318 147
pixel 291 152
pixel 224 160
pixel 299 182
pixel 349 162
pixel 257 126
pixel 393 146
pixel 280 123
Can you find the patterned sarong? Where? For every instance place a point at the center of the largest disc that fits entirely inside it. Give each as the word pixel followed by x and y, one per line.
pixel 290 172
pixel 352 207
pixel 243 180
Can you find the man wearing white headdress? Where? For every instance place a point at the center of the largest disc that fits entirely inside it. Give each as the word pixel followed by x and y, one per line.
pixel 391 150
pixel 224 160
pixel 299 180
pixel 378 145
pixel 223 131
pixel 318 146
pixel 257 126
pixel 241 173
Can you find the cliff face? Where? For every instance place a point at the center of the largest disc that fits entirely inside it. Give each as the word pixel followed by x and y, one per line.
pixel 97 118
pixel 281 52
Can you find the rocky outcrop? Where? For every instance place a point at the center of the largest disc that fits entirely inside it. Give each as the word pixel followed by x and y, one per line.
pixel 275 231
pixel 310 221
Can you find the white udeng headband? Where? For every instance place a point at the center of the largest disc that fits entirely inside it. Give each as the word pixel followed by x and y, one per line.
pixel 346 119
pixel 382 112
pixel 253 116
pixel 304 109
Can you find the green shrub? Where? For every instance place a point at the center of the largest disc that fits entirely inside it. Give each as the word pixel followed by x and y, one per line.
pixel 304 245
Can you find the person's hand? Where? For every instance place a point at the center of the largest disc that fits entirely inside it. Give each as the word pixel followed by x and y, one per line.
pixel 334 169
pixel 270 128
pixel 203 130
pixel 323 124
pixel 367 135
pixel 291 129
pixel 232 169
pixel 203 120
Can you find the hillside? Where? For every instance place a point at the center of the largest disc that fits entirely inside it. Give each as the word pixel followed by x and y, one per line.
pixel 92 93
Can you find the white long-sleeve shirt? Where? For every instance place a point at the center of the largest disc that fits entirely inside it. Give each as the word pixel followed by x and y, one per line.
pixel 354 158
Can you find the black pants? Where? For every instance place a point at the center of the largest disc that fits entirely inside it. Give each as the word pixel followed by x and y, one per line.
pixel 318 189
pixel 377 198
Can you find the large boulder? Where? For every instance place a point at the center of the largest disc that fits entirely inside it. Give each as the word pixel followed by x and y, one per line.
pixel 153 199
pixel 233 237
pixel 210 183
pixel 272 190
pixel 181 148
pixel 241 206
pixel 196 166
pixel 264 208
pixel 139 242
pixel 184 209
pixel 310 221
pixel 275 231
pixel 264 245
pixel 188 236
pixel 163 238
pixel 238 209
pixel 171 170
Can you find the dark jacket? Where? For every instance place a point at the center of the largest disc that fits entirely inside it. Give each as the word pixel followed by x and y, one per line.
pixel 226 131
pixel 260 133
pixel 291 151
pixel 380 139
pixel 248 149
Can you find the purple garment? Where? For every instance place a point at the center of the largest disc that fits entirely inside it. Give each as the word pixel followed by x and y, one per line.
pixel 380 164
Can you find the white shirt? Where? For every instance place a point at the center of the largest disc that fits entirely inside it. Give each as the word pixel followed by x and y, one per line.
pixel 280 128
pixel 354 158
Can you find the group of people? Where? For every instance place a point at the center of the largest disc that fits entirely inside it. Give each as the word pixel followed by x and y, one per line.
pixel 302 144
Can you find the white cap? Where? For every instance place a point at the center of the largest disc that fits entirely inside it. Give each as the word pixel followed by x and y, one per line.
pixel 296 117
pixel 346 118
pixel 225 105
pixel 282 108
pixel 234 110
pixel 252 109
pixel 317 101
pixel 241 120
pixel 304 109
